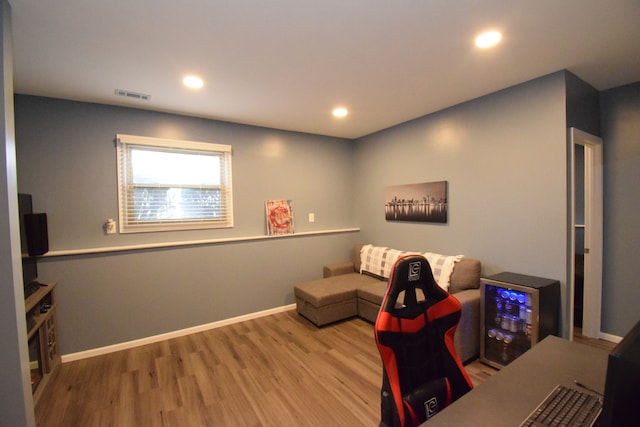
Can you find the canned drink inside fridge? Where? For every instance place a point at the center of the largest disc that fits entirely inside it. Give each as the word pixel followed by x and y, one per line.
pixel 506 324
pixel 515 321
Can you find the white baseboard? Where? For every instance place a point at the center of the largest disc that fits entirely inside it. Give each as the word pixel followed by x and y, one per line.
pixel 175 334
pixel 609 337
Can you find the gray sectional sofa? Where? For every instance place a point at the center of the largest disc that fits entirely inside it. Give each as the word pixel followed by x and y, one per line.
pixel 345 291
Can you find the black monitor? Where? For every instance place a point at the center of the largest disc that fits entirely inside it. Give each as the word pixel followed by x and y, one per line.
pixel 33 241
pixel 622 386
pixel 29 264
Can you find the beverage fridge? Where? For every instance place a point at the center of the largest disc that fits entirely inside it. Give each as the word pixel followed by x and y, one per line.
pixel 517 312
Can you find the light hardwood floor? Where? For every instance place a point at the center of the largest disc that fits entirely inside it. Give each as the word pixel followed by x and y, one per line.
pixel 278 370
pixel 593 342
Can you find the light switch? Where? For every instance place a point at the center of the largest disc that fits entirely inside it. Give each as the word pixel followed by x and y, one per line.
pixel 110 226
pixel 312 217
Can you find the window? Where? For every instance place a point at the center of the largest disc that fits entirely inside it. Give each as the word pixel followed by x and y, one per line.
pixel 168 185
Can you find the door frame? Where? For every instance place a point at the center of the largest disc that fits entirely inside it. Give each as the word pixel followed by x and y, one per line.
pixel 593 220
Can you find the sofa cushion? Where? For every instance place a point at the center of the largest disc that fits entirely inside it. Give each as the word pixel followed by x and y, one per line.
pixel 466 275
pixel 373 292
pixel 331 290
pixel 355 257
pixel 326 314
pixel 337 268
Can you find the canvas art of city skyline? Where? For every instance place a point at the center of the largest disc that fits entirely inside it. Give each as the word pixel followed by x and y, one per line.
pixel 424 202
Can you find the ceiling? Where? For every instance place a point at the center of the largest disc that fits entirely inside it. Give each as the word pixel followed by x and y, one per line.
pixel 286 64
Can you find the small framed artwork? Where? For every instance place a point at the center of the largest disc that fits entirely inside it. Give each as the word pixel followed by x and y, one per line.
pixel 279 215
pixel 425 202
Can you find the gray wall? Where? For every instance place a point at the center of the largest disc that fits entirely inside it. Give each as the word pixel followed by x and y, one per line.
pixel 504 157
pixel 583 105
pixel 16 402
pixel 66 160
pixel 621 134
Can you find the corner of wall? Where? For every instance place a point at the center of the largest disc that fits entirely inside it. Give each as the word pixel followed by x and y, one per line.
pixel 583 105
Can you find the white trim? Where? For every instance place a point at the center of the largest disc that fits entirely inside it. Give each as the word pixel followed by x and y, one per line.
pixel 609 337
pixel 124 148
pixel 88 251
pixel 592 303
pixel 571 244
pixel 172 143
pixel 593 237
pixel 169 335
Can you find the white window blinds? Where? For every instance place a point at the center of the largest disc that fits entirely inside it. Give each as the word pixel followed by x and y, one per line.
pixel 166 184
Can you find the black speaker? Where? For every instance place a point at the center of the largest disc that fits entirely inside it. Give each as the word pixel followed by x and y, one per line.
pixel 35 225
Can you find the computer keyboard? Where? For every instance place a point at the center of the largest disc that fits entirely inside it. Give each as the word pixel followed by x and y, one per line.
pixel 565 406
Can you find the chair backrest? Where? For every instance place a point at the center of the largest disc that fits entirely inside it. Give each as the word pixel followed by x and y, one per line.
pixel 422 372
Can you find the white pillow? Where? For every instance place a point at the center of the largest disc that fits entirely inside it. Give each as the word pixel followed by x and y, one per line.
pixel 442 267
pixel 378 260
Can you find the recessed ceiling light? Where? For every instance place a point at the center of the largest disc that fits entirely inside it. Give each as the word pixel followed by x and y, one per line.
pixel 340 112
pixel 193 82
pixel 488 39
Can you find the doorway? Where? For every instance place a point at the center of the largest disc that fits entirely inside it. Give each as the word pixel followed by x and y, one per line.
pixel 585 272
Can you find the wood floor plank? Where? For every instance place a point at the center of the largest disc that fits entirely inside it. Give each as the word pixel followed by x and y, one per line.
pixel 147 409
pixel 279 370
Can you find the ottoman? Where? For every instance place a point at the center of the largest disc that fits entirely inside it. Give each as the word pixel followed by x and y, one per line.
pixel 330 299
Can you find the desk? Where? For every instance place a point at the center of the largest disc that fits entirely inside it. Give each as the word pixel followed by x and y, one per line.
pixel 510 395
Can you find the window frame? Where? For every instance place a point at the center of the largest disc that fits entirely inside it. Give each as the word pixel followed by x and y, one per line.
pixel 126 143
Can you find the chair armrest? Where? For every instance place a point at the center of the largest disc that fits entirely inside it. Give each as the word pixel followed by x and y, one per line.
pixel 467 337
pixel 337 268
pixel 468 297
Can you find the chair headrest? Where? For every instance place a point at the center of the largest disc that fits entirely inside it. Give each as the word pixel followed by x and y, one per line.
pixel 411 273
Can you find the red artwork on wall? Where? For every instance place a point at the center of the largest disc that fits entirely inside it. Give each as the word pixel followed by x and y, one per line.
pixel 279 217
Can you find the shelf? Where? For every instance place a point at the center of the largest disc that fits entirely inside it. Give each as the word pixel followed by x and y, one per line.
pixel 39 318
pixel 42 336
pixel 32 307
pixel 162 245
pixel 38 295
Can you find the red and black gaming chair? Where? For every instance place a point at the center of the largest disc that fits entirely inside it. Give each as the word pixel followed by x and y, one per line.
pixel 422 372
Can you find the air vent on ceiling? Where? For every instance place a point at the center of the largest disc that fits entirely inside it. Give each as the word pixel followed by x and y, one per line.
pixel 133 95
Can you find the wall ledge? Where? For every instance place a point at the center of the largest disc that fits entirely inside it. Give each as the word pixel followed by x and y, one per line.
pixel 163 245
